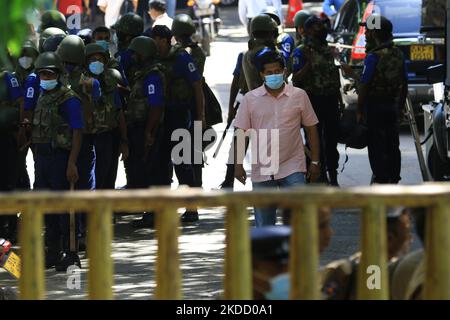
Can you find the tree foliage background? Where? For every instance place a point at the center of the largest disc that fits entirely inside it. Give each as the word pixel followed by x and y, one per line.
pixel 14 27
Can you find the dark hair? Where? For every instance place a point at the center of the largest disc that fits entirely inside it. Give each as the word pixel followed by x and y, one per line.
pixel 101 29
pixel 268 56
pixel 383 35
pixel 157 5
pixel 161 31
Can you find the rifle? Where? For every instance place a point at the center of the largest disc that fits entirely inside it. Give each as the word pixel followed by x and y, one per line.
pixel 229 121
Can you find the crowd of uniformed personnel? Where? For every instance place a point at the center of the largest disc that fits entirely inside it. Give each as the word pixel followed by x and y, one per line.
pixel 81 108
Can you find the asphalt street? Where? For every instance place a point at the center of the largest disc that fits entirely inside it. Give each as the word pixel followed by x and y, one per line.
pixel 202 244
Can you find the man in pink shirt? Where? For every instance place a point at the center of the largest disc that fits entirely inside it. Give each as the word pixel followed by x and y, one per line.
pixel 273 115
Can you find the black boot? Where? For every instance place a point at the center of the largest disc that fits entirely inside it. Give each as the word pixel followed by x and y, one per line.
pixel 333 178
pixel 189 216
pixel 228 183
pixel 68 259
pixel 147 221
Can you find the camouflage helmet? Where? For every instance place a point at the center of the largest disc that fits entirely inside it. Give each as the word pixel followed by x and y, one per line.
pixel 130 24
pixel 71 50
pixel 300 18
pixel 273 13
pixel 47 34
pixel 52 18
pixel 29 48
pixel 144 46
pixel 93 48
pixel 52 43
pixel 263 23
pixel 183 25
pixel 48 60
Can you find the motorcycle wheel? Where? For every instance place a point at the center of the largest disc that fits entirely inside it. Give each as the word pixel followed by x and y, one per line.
pixel 206 41
pixel 439 169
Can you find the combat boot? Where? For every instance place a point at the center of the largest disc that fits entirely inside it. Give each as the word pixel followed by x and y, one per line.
pixel 189 217
pixel 147 221
pixel 68 259
pixel 332 175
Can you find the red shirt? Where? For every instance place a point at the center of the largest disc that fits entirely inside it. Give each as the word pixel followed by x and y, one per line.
pixel 63 5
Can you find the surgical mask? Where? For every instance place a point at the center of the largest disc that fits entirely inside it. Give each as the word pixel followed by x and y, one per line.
pixel 96 67
pixel 25 62
pixel 103 43
pixel 49 84
pixel 279 288
pixel 274 81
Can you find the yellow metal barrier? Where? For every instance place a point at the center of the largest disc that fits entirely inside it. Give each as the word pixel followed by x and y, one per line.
pixel 304 260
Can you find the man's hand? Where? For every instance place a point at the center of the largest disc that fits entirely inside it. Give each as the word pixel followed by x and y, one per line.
pixel 72 172
pixel 239 173
pixel 313 173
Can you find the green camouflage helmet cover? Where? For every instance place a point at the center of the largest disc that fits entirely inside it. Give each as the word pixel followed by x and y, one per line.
pixel 300 18
pixel 264 23
pixel 93 48
pixel 144 46
pixel 29 48
pixel 183 25
pixel 49 60
pixel 71 50
pixel 273 13
pixel 47 33
pixel 130 24
pixel 52 18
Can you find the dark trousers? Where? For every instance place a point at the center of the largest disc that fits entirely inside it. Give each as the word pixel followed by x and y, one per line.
pixel 50 166
pixel 141 165
pixel 383 141
pixel 106 159
pixel 327 111
pixel 8 177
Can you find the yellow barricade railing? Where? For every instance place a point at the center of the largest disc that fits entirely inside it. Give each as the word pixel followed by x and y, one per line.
pixel 304 250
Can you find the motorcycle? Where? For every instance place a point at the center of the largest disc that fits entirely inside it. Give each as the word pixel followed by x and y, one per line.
pixel 205 14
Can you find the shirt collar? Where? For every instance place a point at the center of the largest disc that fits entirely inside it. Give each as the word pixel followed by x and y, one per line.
pixel 262 91
pixel 162 16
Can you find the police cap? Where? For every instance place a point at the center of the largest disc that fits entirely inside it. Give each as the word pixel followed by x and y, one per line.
pixel 271 243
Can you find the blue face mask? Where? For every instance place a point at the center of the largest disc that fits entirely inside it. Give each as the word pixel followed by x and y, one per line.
pixel 274 81
pixel 49 84
pixel 103 43
pixel 279 288
pixel 96 67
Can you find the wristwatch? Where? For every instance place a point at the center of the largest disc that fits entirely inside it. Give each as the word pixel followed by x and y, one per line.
pixel 316 163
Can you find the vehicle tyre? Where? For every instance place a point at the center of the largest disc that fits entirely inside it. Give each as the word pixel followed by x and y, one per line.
pixel 440 170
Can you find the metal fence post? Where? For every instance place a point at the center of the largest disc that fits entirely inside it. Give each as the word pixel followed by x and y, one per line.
pixel 100 235
pixel 372 270
pixel 238 276
pixel 437 253
pixel 168 273
pixel 32 279
pixel 304 253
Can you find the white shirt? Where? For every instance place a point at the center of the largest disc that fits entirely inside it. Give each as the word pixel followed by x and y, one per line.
pixel 163 20
pixel 112 11
pixel 251 8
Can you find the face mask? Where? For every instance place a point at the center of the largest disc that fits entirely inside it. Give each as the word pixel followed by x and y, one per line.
pixel 274 81
pixel 25 62
pixel 96 67
pixel 104 44
pixel 279 288
pixel 49 84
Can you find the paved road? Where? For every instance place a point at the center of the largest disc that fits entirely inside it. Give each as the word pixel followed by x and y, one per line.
pixel 202 244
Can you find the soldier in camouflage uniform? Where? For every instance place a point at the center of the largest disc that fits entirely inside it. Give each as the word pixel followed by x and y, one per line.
pixel 107 117
pixel 299 25
pixel 10 100
pixel 56 140
pixel 264 32
pixel 315 72
pixel 381 97
pixel 185 104
pixel 182 29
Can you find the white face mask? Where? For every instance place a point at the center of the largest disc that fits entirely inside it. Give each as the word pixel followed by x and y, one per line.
pixel 25 62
